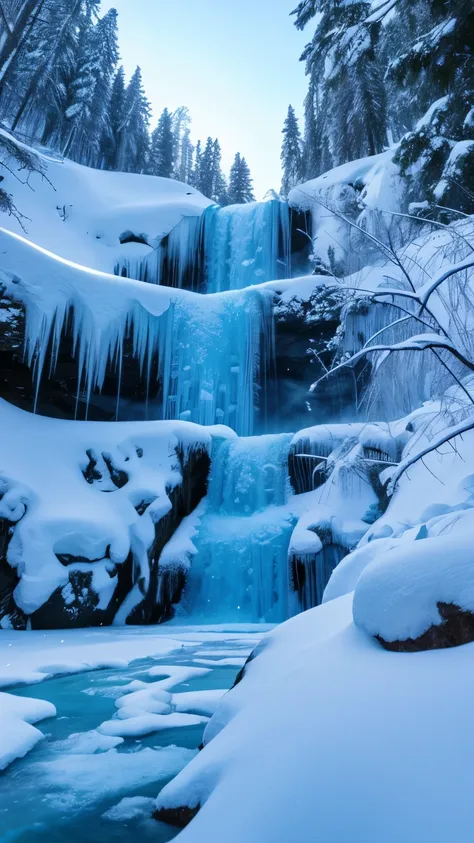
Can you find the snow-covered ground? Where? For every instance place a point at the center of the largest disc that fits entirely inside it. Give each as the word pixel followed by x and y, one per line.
pixel 329 738
pixel 80 213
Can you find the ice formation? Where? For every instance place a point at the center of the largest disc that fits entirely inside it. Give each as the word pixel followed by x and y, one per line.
pixel 212 352
pixel 239 569
pixel 224 249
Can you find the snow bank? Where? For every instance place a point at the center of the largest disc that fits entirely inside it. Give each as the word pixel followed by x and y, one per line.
pixel 68 534
pixel 325 732
pixel 80 213
pixel 17 734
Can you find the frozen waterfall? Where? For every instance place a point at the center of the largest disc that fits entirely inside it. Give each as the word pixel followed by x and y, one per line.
pixel 240 570
pixel 224 249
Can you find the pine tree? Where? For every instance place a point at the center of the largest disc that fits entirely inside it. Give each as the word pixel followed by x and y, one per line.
pixel 240 182
pixel 162 151
pixel 133 138
pixel 45 64
pixel 181 119
pixel 219 186
pixel 86 115
pixel 206 178
pixel 345 111
pixel 110 140
pixel 291 153
pixel 435 159
pixel 195 176
pixel 185 168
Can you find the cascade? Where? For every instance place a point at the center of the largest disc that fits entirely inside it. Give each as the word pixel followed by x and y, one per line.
pixel 212 354
pixel 224 249
pixel 243 243
pixel 240 569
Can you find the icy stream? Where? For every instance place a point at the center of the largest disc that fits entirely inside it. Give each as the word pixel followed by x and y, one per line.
pixel 82 785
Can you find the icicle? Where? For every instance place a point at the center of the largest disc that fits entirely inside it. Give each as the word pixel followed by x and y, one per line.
pixel 224 249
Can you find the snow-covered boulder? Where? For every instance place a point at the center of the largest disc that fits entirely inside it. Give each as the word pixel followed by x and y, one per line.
pixel 352 194
pixel 86 510
pixel 339 467
pixel 419 595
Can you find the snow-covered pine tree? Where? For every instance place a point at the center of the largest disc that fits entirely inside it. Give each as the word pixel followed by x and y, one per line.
pixel 110 142
pixel 162 149
pixel 240 182
pixel 133 138
pixel 437 156
pixel 17 21
pixel 182 141
pixel 36 88
pixel 86 117
pixel 291 153
pixel 195 175
pixel 206 179
pixel 36 78
pixel 186 152
pixel 219 187
pixel 345 108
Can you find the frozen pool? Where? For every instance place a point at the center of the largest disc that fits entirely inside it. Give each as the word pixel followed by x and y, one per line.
pixel 80 784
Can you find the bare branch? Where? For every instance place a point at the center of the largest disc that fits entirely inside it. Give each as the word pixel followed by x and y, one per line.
pixel 442 439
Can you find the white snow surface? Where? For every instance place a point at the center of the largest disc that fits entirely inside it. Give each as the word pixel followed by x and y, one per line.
pixel 17 734
pixel 325 733
pixel 80 213
pixel 33 656
pixel 58 512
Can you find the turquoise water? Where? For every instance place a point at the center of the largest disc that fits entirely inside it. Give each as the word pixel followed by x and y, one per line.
pixel 60 793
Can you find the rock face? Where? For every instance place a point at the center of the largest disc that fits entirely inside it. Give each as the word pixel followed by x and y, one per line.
pixel 179 817
pixel 310 572
pixel 457 628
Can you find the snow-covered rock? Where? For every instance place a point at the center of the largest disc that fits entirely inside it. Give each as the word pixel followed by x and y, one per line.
pixel 86 510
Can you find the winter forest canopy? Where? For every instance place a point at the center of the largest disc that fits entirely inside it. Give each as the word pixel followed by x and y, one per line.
pixel 62 85
pixel 237 425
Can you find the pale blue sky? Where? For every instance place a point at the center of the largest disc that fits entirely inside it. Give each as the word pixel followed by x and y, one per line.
pixel 234 63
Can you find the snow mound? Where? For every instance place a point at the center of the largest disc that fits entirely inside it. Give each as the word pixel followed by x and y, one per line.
pixel 82 214
pixel 399 593
pixel 313 696
pixel 85 499
pixel 17 734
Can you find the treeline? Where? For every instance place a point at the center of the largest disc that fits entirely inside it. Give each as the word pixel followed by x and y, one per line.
pixel 382 71
pixel 61 85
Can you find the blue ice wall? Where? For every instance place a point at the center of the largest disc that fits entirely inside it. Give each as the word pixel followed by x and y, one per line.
pixel 224 249
pixel 240 571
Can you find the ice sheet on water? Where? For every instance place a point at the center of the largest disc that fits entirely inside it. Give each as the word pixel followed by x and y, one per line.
pixel 145 724
pixel 86 743
pixel 130 808
pixel 230 662
pixel 79 781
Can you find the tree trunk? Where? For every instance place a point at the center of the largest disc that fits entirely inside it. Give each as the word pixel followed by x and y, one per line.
pixel 15 35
